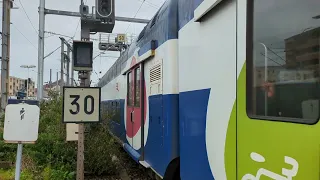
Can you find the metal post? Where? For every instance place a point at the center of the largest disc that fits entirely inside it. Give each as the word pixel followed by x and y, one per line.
pixel 50 81
pixel 27 86
pixel 18 161
pixel 72 72
pixel 5 53
pixel 80 157
pixel 84 77
pixel 61 70
pixel 41 49
pixel 68 64
pixel 57 81
pixel 265 78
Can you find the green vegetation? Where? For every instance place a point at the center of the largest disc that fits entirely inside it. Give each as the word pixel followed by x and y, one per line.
pixel 52 158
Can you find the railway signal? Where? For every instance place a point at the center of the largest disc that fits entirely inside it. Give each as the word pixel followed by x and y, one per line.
pixel 82 55
pixel 105 9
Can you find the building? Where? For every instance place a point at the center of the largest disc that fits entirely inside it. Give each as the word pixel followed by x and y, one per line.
pixel 18 84
pixel 54 86
pixel 303 52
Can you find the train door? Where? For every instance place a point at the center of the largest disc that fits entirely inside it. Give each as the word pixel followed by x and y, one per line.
pixel 278 90
pixel 130 107
pixel 134 111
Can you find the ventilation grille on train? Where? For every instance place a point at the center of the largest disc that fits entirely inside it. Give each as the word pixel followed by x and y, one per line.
pixel 155 73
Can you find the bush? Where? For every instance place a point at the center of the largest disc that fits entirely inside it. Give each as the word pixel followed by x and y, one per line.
pixel 52 157
pixel 99 149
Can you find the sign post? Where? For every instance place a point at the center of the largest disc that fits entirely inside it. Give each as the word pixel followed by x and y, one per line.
pixel 21 126
pixel 82 104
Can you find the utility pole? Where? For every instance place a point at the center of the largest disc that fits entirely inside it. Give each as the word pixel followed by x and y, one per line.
pixel 72 71
pixel 68 65
pixel 50 82
pixel 6 7
pixel 41 50
pixel 57 81
pixel 61 69
pixel 66 58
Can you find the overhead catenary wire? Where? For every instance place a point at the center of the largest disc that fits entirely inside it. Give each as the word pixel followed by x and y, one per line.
pixel 135 15
pixel 24 36
pixel 28 17
pixel 151 4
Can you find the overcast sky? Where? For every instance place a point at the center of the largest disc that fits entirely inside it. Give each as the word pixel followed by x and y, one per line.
pixel 25 52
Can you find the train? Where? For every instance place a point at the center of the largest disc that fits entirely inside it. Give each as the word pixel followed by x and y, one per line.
pixel 221 89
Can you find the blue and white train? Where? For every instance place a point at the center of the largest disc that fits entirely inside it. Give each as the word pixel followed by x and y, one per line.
pixel 190 96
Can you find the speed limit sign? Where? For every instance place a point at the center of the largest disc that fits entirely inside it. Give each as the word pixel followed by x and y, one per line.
pixel 81 104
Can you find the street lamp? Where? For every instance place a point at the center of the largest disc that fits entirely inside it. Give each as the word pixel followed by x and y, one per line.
pixel 27 67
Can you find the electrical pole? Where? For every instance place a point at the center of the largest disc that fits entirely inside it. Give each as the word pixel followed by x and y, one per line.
pixel 6 7
pixel 57 81
pixel 72 72
pixel 41 50
pixel 50 82
pixel 68 65
pixel 61 69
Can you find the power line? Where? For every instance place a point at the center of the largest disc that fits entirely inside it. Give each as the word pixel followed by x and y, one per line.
pixel 135 15
pixel 24 36
pixel 28 18
pixel 55 50
pixel 272 60
pixel 276 54
pixel 150 4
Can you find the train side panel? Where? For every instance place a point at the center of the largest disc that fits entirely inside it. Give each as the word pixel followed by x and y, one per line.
pixel 207 85
pixel 278 90
pixel 162 143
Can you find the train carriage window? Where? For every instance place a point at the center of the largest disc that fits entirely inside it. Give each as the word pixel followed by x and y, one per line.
pixel 283 39
pixel 137 87
pixel 130 89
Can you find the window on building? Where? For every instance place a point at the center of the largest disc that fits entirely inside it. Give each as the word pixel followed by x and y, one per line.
pixel 10 87
pixel 130 89
pixel 283 36
pixel 137 87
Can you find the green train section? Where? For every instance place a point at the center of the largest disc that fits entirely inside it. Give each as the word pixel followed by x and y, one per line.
pixel 271 139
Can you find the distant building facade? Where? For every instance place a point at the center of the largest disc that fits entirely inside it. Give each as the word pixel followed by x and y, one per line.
pixel 18 84
pixel 302 51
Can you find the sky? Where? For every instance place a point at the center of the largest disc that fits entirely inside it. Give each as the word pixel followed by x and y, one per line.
pixel 24 37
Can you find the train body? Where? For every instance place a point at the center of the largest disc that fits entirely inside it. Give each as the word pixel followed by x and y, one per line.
pixel 221 89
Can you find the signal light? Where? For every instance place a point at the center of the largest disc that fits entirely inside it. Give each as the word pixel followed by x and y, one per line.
pixel 104 9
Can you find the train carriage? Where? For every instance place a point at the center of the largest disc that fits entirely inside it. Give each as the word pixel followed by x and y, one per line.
pixel 221 89
pixel 145 83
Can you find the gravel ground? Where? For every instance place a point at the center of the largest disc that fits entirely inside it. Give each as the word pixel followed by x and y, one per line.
pixel 131 170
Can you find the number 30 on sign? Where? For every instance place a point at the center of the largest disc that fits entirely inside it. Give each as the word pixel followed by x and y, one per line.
pixel 81 104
